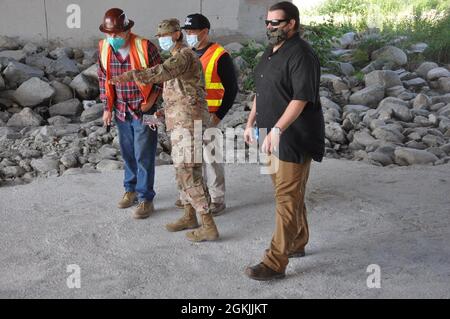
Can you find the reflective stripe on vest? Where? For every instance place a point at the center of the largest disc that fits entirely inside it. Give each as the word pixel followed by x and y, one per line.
pixel 140 52
pixel 138 58
pixel 214 88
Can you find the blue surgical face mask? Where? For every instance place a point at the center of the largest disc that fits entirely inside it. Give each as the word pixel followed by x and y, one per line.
pixel 116 43
pixel 166 43
pixel 192 40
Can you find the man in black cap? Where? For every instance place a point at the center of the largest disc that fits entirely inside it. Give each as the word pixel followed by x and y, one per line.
pixel 221 90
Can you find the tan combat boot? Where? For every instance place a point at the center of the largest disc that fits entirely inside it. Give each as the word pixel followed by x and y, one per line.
pixel 179 204
pixel 128 200
pixel 187 221
pixel 208 231
pixel 143 210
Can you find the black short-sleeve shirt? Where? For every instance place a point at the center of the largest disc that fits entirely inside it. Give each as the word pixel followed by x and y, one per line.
pixel 291 73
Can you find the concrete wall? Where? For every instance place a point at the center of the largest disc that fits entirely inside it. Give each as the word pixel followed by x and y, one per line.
pixel 37 20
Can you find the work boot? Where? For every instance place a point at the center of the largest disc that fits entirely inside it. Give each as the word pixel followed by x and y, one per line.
pixel 179 204
pixel 208 230
pixel 262 272
pixel 187 221
pixel 143 210
pixel 217 209
pixel 128 200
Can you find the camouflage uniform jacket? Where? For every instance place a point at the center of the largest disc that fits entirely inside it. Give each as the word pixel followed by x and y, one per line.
pixel 184 88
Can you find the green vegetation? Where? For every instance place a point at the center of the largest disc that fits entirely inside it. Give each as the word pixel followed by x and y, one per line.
pixel 417 21
pixel 249 54
pixel 378 23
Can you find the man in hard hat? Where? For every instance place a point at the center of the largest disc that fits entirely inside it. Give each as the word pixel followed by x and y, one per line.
pixel 221 90
pixel 119 52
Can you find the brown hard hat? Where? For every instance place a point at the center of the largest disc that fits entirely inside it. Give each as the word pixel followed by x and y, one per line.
pixel 115 21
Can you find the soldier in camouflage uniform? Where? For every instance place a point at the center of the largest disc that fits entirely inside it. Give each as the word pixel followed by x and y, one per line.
pixel 184 97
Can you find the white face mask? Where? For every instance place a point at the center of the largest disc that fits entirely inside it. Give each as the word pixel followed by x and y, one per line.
pixel 166 43
pixel 192 40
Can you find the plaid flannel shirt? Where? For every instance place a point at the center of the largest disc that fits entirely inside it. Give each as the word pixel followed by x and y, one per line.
pixel 128 96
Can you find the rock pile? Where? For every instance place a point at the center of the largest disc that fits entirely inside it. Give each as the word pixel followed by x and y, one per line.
pixel 50 112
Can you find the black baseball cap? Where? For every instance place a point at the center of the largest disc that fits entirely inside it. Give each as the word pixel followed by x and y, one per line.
pixel 196 21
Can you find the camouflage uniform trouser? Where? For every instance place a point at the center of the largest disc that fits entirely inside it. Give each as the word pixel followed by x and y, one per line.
pixel 189 170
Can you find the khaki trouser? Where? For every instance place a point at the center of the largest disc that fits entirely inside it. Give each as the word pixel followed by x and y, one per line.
pixel 291 227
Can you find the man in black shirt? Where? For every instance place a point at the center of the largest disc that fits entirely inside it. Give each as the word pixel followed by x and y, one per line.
pixel 221 90
pixel 287 104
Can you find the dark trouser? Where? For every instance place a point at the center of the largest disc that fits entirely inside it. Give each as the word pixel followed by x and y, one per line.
pixel 291 231
pixel 138 146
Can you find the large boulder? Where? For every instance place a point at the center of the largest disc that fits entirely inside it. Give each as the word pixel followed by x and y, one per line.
pixel 390 55
pixel 62 67
pixel 86 87
pixel 437 73
pixel 444 85
pixel 347 40
pixel 12 171
pixel 421 101
pixel 39 61
pixel 329 104
pixel 388 134
pixel 369 96
pixel 8 43
pixel 70 108
pixel 69 160
pixel 17 55
pixel 346 68
pixel 62 52
pixel 24 118
pixel 30 48
pixel 441 99
pixel 92 113
pixel 363 138
pixel 63 92
pixel 386 78
pixel 45 165
pixel 335 133
pixel 58 120
pixel 418 47
pixel 355 108
pixel 34 92
pixel 109 165
pixel 411 156
pixel 415 84
pixel 445 111
pixel 91 72
pixel 424 68
pixel 397 108
pixel 16 73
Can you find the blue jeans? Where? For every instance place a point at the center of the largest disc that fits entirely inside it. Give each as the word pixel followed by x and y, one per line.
pixel 138 146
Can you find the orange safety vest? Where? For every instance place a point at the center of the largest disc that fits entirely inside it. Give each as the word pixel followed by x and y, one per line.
pixel 139 61
pixel 214 88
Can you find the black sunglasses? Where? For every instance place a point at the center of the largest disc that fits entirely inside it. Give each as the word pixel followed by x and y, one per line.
pixel 275 22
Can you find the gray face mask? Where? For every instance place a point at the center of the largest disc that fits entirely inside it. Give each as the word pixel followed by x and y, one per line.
pixel 276 36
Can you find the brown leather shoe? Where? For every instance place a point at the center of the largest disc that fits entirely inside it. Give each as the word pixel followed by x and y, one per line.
pixel 128 200
pixel 297 254
pixel 263 273
pixel 143 210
